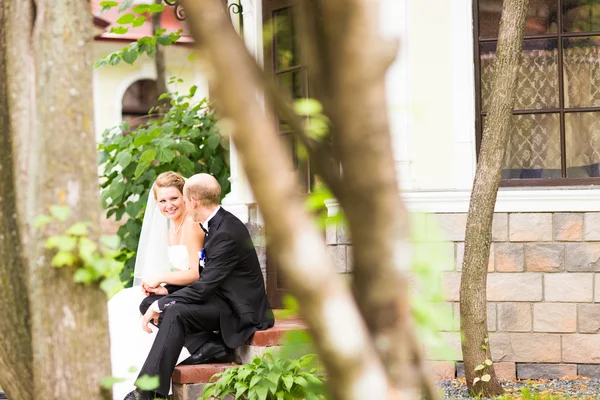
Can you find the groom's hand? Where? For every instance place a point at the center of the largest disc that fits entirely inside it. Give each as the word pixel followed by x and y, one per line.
pixel 150 315
pixel 161 290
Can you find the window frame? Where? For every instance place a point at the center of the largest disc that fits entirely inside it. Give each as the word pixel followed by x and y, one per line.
pixel 561 110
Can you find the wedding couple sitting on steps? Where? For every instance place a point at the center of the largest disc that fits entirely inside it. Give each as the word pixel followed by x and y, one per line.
pixel 197 278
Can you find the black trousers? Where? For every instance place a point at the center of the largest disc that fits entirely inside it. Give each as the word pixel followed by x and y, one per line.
pixel 189 325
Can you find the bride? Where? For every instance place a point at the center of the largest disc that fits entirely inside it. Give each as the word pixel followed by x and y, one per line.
pixel 170 242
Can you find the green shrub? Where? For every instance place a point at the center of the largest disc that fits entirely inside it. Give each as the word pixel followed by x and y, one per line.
pixel 184 140
pixel 270 378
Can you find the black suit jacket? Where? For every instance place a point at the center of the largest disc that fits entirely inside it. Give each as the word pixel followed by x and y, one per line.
pixel 232 276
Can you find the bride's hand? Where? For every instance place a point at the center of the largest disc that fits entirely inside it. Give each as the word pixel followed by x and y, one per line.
pixel 152 283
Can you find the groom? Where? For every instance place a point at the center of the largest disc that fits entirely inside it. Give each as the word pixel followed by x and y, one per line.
pixel 219 311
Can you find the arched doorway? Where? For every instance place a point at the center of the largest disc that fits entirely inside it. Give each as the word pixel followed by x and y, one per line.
pixel 137 101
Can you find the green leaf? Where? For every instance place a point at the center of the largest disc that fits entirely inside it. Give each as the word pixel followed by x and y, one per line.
pixel 63 258
pixel 147 382
pixel 87 248
pixel 61 213
pixel 123 158
pixel 116 190
pixel 110 241
pixel 486 378
pixel 301 381
pixel 126 19
pixel 109 381
pixel 165 155
pixel 262 392
pixel 255 379
pixel 156 8
pixel 288 382
pixel 488 362
pixel 78 229
pixel 479 367
pixel 61 242
pixel 142 140
pixel 125 5
pixel 84 276
pixel 42 220
pixel 148 155
pixel 476 379
pixel 213 141
pixel 119 30
pixel 307 107
pixel 139 21
pixel 141 8
pixel 130 55
pixel 165 40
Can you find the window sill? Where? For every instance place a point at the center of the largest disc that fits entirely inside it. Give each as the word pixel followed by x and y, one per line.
pixel 571 199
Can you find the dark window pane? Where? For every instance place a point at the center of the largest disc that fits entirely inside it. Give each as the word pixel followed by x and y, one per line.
pixel 286 53
pixel 292 83
pixel 582 132
pixel 533 148
pixel 537 81
pixel 541 18
pixel 582 71
pixel 581 15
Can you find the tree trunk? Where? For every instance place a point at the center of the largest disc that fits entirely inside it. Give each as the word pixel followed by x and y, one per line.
pixel 351 86
pixel 69 320
pixel 326 305
pixel 15 347
pixel 159 63
pixel 473 305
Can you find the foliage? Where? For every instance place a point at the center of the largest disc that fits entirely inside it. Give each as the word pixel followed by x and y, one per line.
pixel 185 140
pixel 270 378
pixel 146 44
pixel 93 262
pixel 528 393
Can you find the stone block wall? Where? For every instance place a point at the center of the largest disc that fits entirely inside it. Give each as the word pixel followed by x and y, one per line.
pixel 543 289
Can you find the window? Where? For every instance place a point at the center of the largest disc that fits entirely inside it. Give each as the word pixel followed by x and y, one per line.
pixel 283 59
pixel 555 129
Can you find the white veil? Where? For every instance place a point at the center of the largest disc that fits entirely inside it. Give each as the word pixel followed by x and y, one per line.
pixel 152 257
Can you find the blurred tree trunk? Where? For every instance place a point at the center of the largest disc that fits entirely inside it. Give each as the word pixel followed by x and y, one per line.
pixel 351 87
pixel 159 62
pixel 473 302
pixel 15 347
pixel 62 323
pixel 346 347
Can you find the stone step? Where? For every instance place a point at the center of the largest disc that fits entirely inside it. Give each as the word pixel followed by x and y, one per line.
pixel 189 380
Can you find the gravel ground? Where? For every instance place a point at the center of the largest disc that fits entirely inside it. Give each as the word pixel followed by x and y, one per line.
pixel 570 388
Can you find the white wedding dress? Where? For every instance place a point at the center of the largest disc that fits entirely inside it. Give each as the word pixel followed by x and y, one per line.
pixel 129 344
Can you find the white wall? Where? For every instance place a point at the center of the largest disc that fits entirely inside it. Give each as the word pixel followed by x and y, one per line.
pixel 111 82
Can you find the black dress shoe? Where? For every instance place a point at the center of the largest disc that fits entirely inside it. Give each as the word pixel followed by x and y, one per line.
pixel 210 352
pixel 142 395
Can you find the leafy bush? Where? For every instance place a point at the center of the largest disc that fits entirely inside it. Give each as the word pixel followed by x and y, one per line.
pixel 184 140
pixel 270 378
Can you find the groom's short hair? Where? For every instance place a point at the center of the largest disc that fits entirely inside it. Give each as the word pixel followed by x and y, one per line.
pixel 204 188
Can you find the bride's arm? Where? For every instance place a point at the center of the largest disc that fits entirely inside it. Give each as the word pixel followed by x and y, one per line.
pixel 194 240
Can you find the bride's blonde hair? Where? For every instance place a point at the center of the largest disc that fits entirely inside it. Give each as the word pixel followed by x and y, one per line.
pixel 169 179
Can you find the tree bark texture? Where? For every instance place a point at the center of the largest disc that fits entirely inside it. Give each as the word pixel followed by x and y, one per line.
pixel 69 320
pixel 159 63
pixel 16 354
pixel 342 340
pixel 473 305
pixel 351 86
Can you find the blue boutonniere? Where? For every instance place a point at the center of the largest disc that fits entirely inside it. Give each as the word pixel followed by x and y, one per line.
pixel 202 256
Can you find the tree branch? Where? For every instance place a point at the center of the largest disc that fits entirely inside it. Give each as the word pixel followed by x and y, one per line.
pixel 353 93
pixel 340 336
